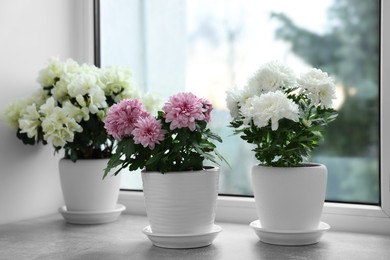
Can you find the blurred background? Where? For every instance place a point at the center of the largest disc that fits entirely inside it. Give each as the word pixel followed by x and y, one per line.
pixel 208 47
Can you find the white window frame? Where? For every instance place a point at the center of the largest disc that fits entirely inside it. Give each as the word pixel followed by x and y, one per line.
pixel 341 216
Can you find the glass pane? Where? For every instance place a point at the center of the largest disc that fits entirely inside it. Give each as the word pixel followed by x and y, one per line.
pixel 207 47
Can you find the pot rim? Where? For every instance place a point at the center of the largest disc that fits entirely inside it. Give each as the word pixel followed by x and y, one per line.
pixel 83 159
pixel 205 169
pixel 303 165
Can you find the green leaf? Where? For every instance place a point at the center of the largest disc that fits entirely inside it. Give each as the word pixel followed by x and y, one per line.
pixel 155 158
pixel 114 161
pixel 129 148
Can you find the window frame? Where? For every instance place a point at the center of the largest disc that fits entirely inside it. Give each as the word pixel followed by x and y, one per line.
pixel 340 216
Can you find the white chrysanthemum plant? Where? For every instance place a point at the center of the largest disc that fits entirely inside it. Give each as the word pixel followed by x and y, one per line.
pixel 69 108
pixel 281 114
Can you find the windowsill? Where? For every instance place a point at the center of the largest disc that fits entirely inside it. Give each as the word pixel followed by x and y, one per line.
pixel 341 217
pixel 52 238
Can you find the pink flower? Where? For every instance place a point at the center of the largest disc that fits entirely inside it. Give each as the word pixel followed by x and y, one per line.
pixel 148 132
pixel 207 108
pixel 122 117
pixel 182 110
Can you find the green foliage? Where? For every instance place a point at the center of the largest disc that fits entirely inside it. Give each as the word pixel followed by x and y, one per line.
pixel 292 142
pixel 181 150
pixel 92 143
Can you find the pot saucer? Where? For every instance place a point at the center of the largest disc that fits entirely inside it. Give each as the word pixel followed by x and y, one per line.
pixel 289 237
pixel 91 217
pixel 182 240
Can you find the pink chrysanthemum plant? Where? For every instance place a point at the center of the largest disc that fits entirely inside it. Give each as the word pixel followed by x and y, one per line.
pixel 281 114
pixel 177 139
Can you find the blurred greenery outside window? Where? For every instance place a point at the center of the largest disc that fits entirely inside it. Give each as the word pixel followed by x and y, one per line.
pixel 207 47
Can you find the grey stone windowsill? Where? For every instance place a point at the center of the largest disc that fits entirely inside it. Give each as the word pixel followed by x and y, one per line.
pixel 51 237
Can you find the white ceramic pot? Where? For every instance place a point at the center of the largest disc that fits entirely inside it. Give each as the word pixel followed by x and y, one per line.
pixel 83 186
pixel 181 202
pixel 289 198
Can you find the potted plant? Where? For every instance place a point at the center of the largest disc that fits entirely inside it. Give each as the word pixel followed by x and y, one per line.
pixel 283 117
pixel 68 112
pixel 170 148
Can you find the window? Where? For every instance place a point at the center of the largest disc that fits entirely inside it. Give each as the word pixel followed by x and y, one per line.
pixel 208 47
pixel 341 216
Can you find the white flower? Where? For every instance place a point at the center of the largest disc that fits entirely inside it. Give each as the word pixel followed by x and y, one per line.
pixel 14 111
pixel 247 93
pixel 151 102
pixel 59 128
pixel 87 90
pixel 127 93
pixel 60 89
pixel 271 76
pixel 89 69
pixel 68 95
pixel 80 84
pixel 117 83
pixel 48 107
pixel 233 99
pixel 319 87
pixel 51 73
pixel 269 106
pixel 39 97
pixel 29 122
pixel 97 100
pixel 78 114
pixel 71 66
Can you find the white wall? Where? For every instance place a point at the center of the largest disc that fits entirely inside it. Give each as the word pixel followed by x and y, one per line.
pixel 31 31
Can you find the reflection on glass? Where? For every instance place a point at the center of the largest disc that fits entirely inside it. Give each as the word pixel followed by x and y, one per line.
pixel 208 47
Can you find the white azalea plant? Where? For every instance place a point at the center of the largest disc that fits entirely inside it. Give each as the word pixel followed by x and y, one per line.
pixel 281 114
pixel 69 108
